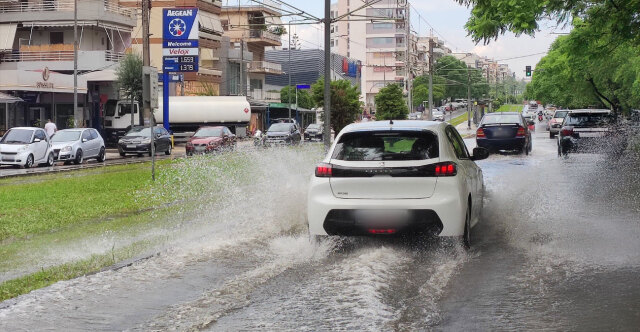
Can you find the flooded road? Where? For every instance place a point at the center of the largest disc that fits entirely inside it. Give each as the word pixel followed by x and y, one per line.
pixel 558 249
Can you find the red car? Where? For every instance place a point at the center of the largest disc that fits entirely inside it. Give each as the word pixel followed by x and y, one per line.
pixel 211 139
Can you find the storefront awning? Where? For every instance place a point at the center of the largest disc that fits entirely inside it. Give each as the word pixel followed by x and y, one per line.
pixel 209 23
pixel 100 76
pixel 8 99
pixel 7 36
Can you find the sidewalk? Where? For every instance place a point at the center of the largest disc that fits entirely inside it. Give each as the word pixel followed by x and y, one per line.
pixel 465 132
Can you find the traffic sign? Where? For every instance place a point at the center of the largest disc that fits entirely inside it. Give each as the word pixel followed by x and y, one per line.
pixel 303 86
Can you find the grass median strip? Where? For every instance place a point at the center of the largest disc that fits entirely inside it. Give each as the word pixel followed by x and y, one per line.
pixel 459 119
pixel 510 108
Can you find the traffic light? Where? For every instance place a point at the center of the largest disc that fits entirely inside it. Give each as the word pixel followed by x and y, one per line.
pixel 528 71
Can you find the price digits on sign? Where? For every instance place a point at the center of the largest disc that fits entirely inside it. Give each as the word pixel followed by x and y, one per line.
pixel 186 67
pixel 187 59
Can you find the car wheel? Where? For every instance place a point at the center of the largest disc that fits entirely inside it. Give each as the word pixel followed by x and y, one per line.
pixel 79 157
pixel 29 162
pixel 101 155
pixel 168 152
pixel 189 154
pixel 50 160
pixel 466 236
pixel 122 154
pixel 551 135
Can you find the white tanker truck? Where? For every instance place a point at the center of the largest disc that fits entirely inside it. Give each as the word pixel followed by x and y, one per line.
pixel 186 115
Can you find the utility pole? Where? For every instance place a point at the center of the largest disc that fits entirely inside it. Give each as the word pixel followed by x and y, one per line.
pixel 429 116
pixel 468 99
pixel 243 79
pixel 75 62
pixel 407 71
pixel 327 74
pixel 289 94
pixel 146 62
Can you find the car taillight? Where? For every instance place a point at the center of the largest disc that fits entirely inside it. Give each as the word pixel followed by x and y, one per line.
pixel 520 132
pixel 446 169
pixel 381 230
pixel 480 133
pixel 323 170
pixel 566 131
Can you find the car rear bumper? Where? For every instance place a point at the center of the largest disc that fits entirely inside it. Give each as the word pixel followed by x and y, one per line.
pixel 592 144
pixel 502 143
pixel 442 214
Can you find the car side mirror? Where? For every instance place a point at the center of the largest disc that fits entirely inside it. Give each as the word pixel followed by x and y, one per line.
pixel 158 135
pixel 84 140
pixel 36 140
pixel 480 153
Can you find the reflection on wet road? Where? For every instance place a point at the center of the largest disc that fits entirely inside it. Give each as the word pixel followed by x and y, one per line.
pixel 557 249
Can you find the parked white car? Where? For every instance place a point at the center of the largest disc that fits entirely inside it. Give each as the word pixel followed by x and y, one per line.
pixel 25 146
pixel 77 145
pixel 397 178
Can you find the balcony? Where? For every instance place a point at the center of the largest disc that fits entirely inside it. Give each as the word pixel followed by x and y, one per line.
pixel 62 10
pixel 59 60
pixel 264 67
pixel 264 38
pixel 259 94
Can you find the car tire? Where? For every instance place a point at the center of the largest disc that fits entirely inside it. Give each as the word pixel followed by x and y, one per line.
pixel 168 151
pixel 552 135
pixel 50 160
pixel 79 157
pixel 101 155
pixel 29 162
pixel 122 154
pixel 466 236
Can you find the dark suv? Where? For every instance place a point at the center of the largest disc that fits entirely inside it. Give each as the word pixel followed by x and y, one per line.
pixel 283 134
pixel 591 131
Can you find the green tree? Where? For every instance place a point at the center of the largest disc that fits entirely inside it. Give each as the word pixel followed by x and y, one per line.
pixel 584 69
pixel 345 102
pixel 490 19
pixel 421 89
pixel 129 78
pixel 453 76
pixel 304 98
pixel 390 104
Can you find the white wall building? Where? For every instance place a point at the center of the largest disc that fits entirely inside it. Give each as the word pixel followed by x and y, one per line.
pixel 381 45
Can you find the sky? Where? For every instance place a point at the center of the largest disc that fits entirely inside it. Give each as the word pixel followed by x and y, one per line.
pixel 445 19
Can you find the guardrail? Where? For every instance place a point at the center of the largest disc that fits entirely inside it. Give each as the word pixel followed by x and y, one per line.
pixel 21 56
pixel 264 34
pixel 267 67
pixel 264 95
pixel 62 5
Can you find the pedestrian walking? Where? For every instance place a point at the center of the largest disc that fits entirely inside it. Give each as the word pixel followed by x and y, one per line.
pixel 50 128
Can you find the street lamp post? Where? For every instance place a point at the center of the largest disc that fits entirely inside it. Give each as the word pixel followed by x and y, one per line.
pixel 75 60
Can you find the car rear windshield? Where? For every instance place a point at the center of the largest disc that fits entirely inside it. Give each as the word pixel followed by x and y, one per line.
pixel 208 132
pixel 587 119
pixel 66 136
pixel 501 118
pixel 387 145
pixel 314 126
pixel 560 114
pixel 17 136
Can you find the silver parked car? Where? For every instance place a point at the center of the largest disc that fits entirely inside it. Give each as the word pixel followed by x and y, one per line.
pixel 77 145
pixel 26 146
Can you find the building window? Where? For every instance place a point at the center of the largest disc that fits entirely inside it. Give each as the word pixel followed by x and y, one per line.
pixel 56 37
pixel 225 25
pixel 382 26
pixel 381 40
pixel 332 43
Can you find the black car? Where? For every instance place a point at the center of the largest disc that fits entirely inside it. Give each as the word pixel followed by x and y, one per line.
pixel 138 141
pixel 504 131
pixel 591 130
pixel 283 134
pixel 313 131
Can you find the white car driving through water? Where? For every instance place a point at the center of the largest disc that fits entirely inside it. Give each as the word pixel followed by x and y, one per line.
pixel 397 178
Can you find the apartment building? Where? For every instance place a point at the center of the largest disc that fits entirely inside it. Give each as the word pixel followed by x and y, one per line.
pixel 252 27
pixel 36 59
pixel 381 44
pixel 210 32
pixel 422 49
